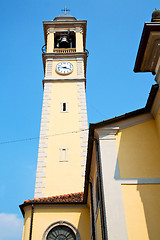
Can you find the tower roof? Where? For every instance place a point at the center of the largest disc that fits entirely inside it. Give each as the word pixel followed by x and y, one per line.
pixel 64 17
pixel 156 16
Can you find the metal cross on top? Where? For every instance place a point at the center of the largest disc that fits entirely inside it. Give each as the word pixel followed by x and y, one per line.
pixel 65 10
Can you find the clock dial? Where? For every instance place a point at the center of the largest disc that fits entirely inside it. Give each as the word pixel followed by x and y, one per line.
pixel 64 68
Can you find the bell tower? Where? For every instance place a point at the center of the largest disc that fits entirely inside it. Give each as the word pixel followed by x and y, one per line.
pixel 63 132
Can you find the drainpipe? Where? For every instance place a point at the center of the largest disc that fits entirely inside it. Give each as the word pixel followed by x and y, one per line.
pixel 92 212
pixel 101 193
pixel 31 225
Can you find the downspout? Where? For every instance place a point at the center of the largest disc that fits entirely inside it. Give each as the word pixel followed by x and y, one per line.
pixel 100 185
pixel 92 212
pixel 31 225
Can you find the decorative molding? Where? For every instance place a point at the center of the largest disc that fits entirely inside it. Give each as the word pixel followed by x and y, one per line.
pixel 42 154
pixel 79 30
pixel 152 53
pixel 69 79
pixel 66 56
pixel 50 30
pixel 107 133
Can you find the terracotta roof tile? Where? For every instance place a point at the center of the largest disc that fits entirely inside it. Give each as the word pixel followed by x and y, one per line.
pixel 67 198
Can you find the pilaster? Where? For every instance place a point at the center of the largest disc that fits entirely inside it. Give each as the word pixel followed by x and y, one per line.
pixel 115 215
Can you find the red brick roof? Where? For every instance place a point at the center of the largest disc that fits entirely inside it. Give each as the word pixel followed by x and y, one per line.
pixel 67 198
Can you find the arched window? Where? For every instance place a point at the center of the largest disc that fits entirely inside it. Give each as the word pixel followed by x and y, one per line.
pixel 61 230
pixel 61 233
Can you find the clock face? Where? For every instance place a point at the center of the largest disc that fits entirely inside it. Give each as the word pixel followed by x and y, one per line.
pixel 64 68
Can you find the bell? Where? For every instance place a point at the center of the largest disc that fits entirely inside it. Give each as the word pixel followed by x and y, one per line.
pixel 64 39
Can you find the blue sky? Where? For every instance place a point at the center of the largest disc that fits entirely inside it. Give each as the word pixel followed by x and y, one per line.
pixel 113 34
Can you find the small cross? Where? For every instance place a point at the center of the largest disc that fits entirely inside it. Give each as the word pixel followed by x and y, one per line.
pixel 65 10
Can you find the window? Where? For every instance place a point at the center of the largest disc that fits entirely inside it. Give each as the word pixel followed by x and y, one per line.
pixel 64 107
pixel 65 39
pixel 61 232
pixel 63 154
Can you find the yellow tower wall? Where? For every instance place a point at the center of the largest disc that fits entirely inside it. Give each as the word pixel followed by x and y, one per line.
pixel 64 130
pixel 64 177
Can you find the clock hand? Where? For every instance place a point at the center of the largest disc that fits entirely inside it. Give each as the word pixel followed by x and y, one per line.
pixel 65 67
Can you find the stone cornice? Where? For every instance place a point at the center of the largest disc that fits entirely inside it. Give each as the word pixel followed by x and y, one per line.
pixel 152 53
pixel 63 56
pixel 63 79
pixel 147 40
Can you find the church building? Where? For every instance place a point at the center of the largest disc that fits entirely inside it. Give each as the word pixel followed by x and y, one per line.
pixel 101 184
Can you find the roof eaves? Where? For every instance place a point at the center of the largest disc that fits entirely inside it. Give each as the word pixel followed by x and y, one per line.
pixel 75 198
pixel 148 27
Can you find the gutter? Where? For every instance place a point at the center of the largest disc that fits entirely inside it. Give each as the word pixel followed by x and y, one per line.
pixel 92 212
